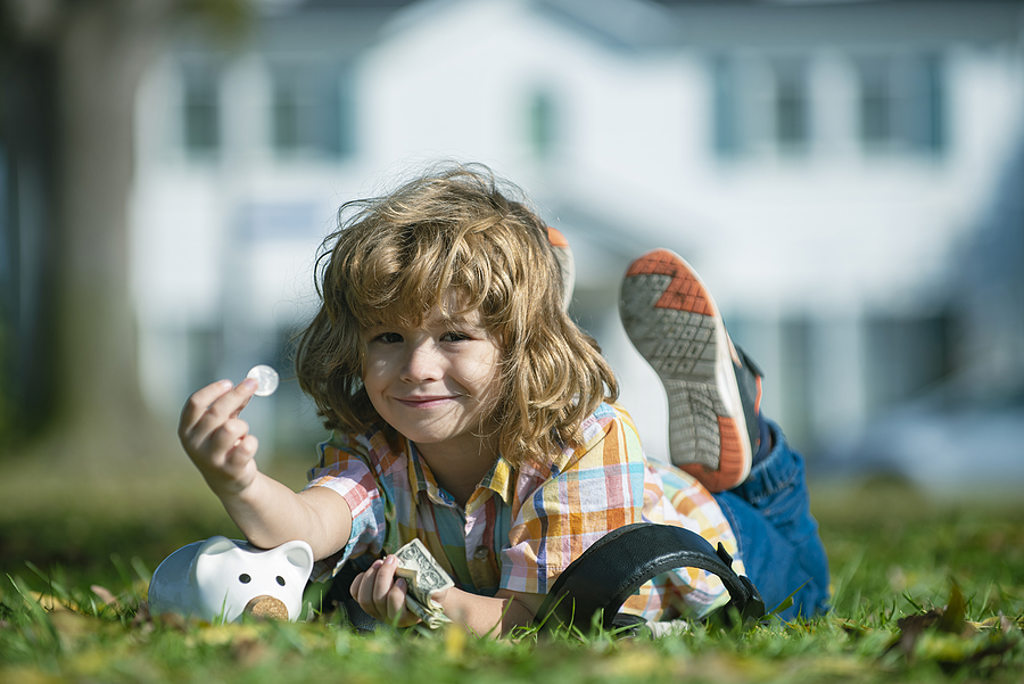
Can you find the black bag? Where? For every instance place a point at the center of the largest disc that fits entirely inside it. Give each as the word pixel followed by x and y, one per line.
pixel 338 597
pixel 615 567
pixel 608 573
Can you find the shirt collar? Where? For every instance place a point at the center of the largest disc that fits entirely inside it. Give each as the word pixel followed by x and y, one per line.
pixel 422 480
pixel 500 478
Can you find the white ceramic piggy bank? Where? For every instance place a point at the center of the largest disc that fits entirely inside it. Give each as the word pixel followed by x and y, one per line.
pixel 221 578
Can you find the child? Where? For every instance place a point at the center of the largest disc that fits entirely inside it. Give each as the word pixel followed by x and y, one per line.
pixel 469 411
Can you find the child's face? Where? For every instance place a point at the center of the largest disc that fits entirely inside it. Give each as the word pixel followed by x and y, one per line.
pixel 434 383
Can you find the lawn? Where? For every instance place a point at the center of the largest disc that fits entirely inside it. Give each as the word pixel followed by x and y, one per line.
pixel 925 590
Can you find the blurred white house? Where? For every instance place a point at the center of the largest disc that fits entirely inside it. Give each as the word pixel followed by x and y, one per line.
pixel 825 166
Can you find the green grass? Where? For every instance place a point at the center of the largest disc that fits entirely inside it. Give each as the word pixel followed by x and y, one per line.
pixel 925 590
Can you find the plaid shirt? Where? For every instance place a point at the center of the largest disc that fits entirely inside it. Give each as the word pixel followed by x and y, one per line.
pixel 521 528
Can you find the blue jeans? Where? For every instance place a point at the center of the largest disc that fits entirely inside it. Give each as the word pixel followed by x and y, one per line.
pixel 777 536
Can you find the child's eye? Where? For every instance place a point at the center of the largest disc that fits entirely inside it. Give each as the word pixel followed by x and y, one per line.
pixel 454 336
pixel 388 338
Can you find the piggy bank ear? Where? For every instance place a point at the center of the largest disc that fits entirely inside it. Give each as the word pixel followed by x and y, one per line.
pixel 215 546
pixel 206 562
pixel 300 555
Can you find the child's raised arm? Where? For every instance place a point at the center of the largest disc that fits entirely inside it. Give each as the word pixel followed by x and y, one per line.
pixel 268 512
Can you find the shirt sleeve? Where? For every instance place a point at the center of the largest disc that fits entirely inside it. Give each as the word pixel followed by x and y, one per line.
pixel 344 468
pixel 600 488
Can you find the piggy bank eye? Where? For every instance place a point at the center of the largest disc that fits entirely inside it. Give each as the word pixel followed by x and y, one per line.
pixel 280 580
pixel 244 578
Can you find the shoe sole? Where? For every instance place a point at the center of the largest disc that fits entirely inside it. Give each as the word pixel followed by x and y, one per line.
pixel 674 324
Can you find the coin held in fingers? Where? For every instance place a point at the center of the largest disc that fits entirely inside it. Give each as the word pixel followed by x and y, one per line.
pixel 266 379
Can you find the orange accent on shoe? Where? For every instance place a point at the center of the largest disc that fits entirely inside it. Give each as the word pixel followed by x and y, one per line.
pixel 757 399
pixel 684 291
pixel 730 467
pixel 732 351
pixel 556 238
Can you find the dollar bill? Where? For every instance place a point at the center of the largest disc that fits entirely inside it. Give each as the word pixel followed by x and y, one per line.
pixel 424 576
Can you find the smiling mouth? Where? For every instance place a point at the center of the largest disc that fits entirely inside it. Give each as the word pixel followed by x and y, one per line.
pixel 423 402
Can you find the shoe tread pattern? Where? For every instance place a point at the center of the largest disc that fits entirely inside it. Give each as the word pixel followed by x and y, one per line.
pixel 673 323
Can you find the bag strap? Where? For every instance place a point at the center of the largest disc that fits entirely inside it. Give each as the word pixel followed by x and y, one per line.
pixel 338 597
pixel 615 567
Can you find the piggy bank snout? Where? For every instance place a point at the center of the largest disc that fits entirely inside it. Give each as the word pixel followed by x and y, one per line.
pixel 266 606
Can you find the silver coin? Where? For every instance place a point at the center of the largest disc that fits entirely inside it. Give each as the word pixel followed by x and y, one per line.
pixel 266 379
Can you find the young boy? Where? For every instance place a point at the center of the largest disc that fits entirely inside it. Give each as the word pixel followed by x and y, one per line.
pixel 470 412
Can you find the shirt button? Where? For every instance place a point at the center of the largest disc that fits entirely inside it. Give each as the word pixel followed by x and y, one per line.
pixel 481 552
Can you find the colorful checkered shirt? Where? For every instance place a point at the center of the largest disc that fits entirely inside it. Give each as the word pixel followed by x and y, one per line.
pixel 521 528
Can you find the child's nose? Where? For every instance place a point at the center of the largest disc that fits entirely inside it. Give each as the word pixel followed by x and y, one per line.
pixel 422 363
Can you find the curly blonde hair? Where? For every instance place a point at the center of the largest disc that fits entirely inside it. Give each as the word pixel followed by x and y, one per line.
pixel 397 257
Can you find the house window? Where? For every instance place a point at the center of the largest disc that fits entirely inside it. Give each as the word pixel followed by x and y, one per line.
pixel 930 99
pixel 725 106
pixel 790 105
pixel 760 105
pixel 201 108
pixel 542 118
pixel 311 110
pixel 901 103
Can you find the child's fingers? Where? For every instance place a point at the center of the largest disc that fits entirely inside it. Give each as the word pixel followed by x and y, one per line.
pixel 353 589
pixel 385 601
pixel 242 453
pixel 224 408
pixel 396 599
pixel 364 592
pixel 234 400
pixel 199 402
pixel 373 590
pixel 228 435
pixel 244 403
pixel 389 592
pixel 385 580
pixel 247 390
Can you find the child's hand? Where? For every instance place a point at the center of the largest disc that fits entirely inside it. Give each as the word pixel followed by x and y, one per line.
pixel 381 595
pixel 216 440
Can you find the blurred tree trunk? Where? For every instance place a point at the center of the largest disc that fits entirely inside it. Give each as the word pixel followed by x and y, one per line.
pixel 98 51
pixel 100 55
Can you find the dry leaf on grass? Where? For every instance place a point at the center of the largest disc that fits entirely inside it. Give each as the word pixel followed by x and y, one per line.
pixel 947 637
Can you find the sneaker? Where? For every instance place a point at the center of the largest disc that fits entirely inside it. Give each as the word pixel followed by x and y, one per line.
pixel 560 246
pixel 713 392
